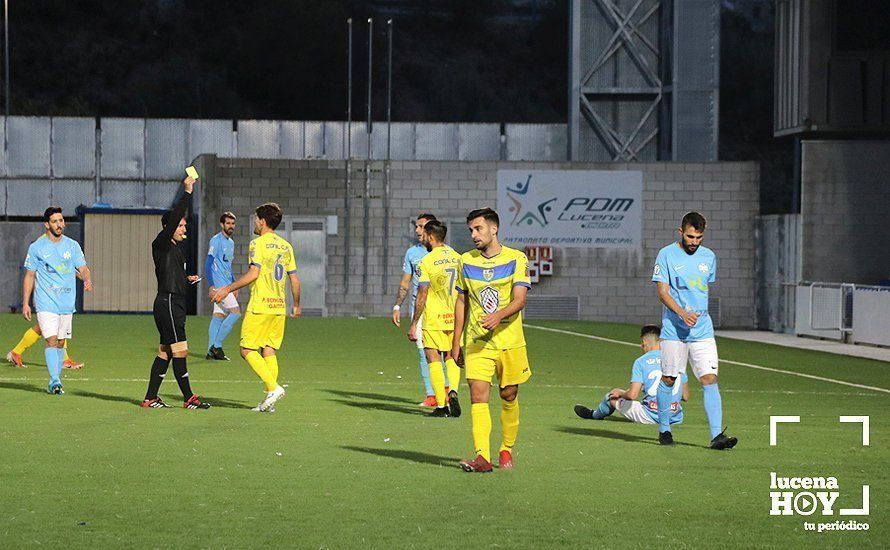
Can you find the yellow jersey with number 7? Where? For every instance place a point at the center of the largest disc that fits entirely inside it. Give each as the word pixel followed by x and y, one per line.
pixel 438 271
pixel 275 258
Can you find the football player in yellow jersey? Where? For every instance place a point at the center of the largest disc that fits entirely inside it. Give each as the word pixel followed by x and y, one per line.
pixel 271 258
pixel 492 286
pixel 436 293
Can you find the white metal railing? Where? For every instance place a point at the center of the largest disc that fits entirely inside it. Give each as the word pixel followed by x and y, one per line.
pixel 843 311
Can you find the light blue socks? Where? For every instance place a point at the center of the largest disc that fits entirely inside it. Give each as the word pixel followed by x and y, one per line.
pixel 225 328
pixel 603 410
pixel 54 359
pixel 664 397
pixel 215 323
pixel 713 409
pixel 425 372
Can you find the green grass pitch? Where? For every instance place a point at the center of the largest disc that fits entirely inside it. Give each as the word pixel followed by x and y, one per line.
pixel 349 460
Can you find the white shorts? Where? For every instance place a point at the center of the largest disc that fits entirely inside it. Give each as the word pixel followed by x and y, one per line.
pixel 633 411
pixel 54 324
pixel 702 355
pixel 229 302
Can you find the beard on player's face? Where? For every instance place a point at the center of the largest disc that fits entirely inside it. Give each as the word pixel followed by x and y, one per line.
pixel 56 226
pixel 690 242
pixel 228 230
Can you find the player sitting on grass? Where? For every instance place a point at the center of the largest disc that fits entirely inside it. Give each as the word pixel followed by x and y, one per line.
pixel 646 375
pixel 31 336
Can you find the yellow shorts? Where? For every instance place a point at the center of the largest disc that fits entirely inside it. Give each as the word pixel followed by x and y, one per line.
pixel 437 339
pixel 510 365
pixel 260 330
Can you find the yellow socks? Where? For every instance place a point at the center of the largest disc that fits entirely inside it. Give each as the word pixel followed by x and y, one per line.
pixel 28 339
pixel 259 366
pixel 65 347
pixel 453 372
pixel 437 380
pixel 509 423
pixel 272 364
pixel 481 429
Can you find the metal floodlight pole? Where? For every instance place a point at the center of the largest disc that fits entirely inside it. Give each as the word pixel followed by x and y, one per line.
pixel 6 49
pixel 370 77
pixel 347 202
pixel 389 91
pixel 367 195
pixel 386 172
pixel 349 91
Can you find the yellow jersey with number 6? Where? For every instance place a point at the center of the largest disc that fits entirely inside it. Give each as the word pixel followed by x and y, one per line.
pixel 275 258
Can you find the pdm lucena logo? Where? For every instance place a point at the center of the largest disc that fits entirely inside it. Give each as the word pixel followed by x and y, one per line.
pixel 523 212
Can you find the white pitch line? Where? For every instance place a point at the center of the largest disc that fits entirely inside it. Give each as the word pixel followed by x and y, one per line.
pixel 406 383
pixel 749 365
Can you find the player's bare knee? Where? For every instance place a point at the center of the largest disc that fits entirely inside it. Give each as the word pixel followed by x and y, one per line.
pixel 180 349
pixel 219 315
pixel 479 391
pixel 245 352
pixel 669 380
pixel 509 393
pixel 708 379
pixel 268 352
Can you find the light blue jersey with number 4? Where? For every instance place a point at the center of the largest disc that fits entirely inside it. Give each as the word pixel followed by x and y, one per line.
pixel 56 266
pixel 688 276
pixel 647 371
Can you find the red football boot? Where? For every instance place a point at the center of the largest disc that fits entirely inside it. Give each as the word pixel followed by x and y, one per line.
pixel 505 460
pixel 478 464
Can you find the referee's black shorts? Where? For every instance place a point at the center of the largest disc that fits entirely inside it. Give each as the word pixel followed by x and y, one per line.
pixel 169 313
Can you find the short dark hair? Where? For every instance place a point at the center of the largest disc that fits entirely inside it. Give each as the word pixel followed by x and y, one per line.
pixel 437 229
pixel 695 220
pixel 426 216
pixel 48 213
pixel 226 215
pixel 487 213
pixel 654 330
pixel 165 219
pixel 271 213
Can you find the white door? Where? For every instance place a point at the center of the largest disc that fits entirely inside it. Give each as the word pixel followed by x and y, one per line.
pixel 308 237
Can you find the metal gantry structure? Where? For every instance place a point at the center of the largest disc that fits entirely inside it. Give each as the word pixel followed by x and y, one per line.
pixel 643 80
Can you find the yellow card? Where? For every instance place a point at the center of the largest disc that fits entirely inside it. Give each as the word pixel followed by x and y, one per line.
pixel 191 172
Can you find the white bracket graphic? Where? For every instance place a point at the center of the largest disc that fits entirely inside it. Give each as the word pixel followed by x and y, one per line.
pixel 864 421
pixel 858 511
pixel 773 420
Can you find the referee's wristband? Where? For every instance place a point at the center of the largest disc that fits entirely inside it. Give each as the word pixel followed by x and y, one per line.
pixel 396 307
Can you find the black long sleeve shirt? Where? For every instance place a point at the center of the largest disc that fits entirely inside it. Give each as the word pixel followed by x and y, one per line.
pixel 169 261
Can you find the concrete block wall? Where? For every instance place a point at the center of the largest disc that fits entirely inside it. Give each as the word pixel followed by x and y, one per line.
pixel 613 285
pixel 845 198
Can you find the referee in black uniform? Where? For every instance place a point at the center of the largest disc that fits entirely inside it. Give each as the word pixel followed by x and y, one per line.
pixel 169 306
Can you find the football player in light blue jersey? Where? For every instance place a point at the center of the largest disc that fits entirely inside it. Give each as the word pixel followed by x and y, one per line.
pixel 51 268
pixel 645 377
pixel 409 284
pixel 218 271
pixel 683 272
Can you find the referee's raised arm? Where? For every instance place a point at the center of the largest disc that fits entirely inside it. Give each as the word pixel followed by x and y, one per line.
pixel 177 213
